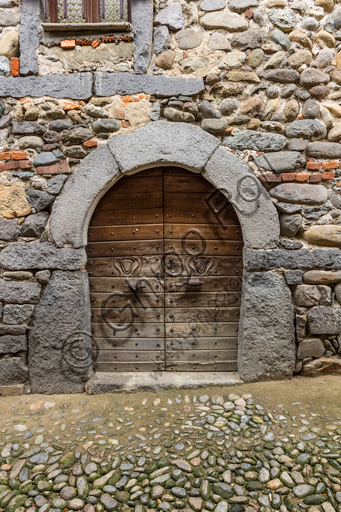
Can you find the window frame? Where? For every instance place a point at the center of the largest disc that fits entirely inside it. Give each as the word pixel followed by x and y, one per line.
pixel 92 13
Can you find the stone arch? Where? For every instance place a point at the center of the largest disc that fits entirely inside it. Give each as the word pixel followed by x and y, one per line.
pixel 266 344
pixel 156 144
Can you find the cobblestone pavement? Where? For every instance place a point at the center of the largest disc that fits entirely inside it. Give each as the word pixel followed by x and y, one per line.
pixel 245 448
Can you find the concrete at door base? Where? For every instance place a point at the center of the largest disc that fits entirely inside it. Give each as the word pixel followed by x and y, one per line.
pixel 266 344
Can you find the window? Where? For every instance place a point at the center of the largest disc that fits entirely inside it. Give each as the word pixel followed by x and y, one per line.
pixel 86 11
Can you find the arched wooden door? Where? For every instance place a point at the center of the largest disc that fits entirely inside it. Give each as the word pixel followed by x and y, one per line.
pixel 165 268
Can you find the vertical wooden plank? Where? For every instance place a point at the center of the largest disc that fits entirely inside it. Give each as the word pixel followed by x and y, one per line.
pixel 92 11
pixel 53 11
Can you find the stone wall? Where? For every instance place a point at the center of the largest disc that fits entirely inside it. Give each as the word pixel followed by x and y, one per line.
pixel 263 77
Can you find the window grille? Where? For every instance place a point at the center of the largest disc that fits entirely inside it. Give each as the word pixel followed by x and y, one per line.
pixel 86 11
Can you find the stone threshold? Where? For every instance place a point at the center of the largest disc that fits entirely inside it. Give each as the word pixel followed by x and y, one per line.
pixel 101 382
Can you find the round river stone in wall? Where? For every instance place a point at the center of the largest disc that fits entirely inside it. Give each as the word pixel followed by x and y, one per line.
pixel 218 41
pixel 228 21
pixel 188 39
pixel 212 5
pixel 324 235
pixel 242 5
pixel 290 224
pixel 307 129
pixel 300 193
pixel 282 18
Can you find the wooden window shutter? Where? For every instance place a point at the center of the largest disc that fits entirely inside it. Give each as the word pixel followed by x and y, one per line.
pixel 52 11
pixel 92 11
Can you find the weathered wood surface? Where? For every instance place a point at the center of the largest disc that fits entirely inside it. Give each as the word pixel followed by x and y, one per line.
pixel 165 268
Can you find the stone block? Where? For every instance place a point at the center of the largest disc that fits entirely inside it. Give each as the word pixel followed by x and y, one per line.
pixel 322 276
pixel 298 259
pixel 312 295
pixel 62 319
pixel 17 314
pixel 11 344
pixel 27 128
pixel 267 340
pixel 310 348
pixel 290 224
pixel 55 184
pixel 300 193
pixel 142 21
pixel 9 44
pixel 307 129
pixel 324 150
pixel 171 16
pixel 13 329
pixel 280 161
pixel 9 230
pixel 76 86
pixel 258 141
pixel 231 22
pixel 337 291
pixel 301 327
pixel 40 199
pixel 322 366
pixel 13 201
pixel 329 235
pixel 13 371
pixel 229 174
pixel 150 145
pixel 19 292
pixel 109 84
pixel 41 255
pixel 29 37
pixel 34 225
pixel 324 320
pixel 74 206
pixel 293 277
pixel 161 39
pixel 283 76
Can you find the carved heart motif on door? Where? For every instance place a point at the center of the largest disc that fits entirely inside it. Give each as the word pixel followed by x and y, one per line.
pixel 201 265
pixel 127 266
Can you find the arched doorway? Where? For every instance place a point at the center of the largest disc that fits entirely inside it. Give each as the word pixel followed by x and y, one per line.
pixel 165 271
pixel 266 340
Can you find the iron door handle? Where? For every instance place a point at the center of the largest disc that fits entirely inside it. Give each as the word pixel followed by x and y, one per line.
pixel 194 282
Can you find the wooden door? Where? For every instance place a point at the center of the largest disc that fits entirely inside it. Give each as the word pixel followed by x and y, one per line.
pixel 165 265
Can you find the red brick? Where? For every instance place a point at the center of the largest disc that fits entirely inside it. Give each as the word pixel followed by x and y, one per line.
pixel 314 166
pixel 49 169
pixel 332 164
pixel 125 124
pixel 272 178
pixel 119 114
pixel 68 44
pixel 25 164
pixel 5 155
pixel 65 166
pixel 8 166
pixel 19 155
pixel 248 13
pixel 328 175
pixel 90 143
pixel 14 66
pixel 315 178
pixel 302 177
pixel 288 176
